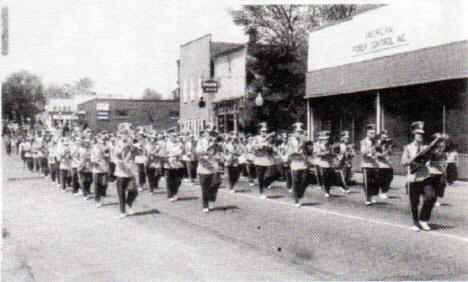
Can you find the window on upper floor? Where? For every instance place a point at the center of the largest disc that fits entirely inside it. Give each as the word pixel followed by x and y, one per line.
pixel 121 113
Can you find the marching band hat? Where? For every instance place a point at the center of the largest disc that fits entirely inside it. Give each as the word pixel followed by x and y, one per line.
pixel 263 126
pixel 324 135
pixel 298 126
pixel 345 134
pixel 417 127
pixel 371 126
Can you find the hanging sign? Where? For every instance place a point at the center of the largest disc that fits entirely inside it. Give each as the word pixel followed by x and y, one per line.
pixel 210 86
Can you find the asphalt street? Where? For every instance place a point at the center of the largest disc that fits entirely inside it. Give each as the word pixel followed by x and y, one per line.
pixel 49 235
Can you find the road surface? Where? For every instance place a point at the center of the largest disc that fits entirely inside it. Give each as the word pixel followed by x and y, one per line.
pixel 49 235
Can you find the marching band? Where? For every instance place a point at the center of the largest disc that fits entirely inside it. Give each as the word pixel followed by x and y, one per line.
pixel 136 159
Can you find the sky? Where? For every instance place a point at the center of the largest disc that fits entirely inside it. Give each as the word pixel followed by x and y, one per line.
pixel 123 46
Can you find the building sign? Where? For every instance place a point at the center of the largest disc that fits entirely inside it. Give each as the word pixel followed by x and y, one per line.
pixel 102 106
pixel 210 86
pixel 388 30
pixel 4 30
pixel 379 39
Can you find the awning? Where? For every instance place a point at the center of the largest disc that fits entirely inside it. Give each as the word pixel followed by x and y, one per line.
pixel 443 62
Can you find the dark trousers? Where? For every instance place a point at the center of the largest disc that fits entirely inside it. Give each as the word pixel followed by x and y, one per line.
pixel 251 171
pixel 100 185
pixel 173 181
pixel 44 166
pixel 192 169
pixel 233 175
pixel 58 173
pixel 30 163
pixel 426 189
pixel 451 173
pixel 86 178
pixel 318 175
pixel 348 173
pixel 8 148
pixel 75 180
pixel 265 176
pixel 126 196
pixel 327 175
pixel 209 184
pixel 340 174
pixel 53 171
pixel 370 182
pixel 299 183
pixel 141 174
pixel 438 182
pixel 385 179
pixel 65 178
pixel 111 172
pixel 37 164
pixel 153 174
pixel 286 173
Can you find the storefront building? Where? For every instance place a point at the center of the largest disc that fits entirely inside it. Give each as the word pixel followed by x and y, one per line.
pixel 391 66
pixel 195 66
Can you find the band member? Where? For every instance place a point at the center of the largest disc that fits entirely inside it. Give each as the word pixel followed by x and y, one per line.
pixel 369 165
pixel 419 179
pixel 65 157
pixel 285 163
pixel 208 168
pixel 52 161
pixel 75 162
pixel 298 163
pixel 232 152
pixel 436 166
pixel 173 166
pixel 153 165
pixel 385 171
pixel 125 172
pixel 452 163
pixel 250 158
pixel 264 161
pixel 189 157
pixel 140 160
pixel 343 161
pixel 325 162
pixel 36 153
pixel 26 151
pixel 99 162
pixel 84 167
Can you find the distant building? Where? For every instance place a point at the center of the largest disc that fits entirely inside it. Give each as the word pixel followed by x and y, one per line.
pixel 107 113
pixel 61 110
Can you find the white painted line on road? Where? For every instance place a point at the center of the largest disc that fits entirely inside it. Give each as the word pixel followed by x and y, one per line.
pixel 434 233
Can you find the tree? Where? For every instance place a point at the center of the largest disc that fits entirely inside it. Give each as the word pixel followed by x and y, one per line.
pixel 150 94
pixel 84 86
pixel 22 96
pixel 277 60
pixel 54 91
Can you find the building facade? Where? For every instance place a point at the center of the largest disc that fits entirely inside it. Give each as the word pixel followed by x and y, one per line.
pixel 195 66
pixel 106 114
pixel 391 66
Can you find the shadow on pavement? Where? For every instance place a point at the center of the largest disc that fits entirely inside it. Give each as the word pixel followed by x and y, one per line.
pixel 188 198
pixel 110 204
pixel 435 226
pixel 311 204
pixel 151 211
pixel 225 208
pixel 275 197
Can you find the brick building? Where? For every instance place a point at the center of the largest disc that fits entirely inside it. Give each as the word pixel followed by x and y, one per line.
pixel 106 114
pixel 196 65
pixel 391 66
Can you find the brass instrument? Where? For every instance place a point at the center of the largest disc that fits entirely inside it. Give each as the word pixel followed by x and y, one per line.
pixel 420 160
pixel 266 145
